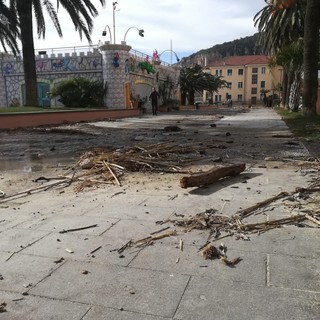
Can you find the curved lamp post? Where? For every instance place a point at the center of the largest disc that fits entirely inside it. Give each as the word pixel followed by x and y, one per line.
pixel 140 31
pixel 104 32
pixel 177 58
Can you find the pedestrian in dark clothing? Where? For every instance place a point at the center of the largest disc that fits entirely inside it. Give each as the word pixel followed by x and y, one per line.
pixel 154 101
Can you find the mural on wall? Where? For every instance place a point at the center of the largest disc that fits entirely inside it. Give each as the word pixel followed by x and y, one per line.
pixel 156 57
pixel 8 68
pixel 51 70
pixel 115 60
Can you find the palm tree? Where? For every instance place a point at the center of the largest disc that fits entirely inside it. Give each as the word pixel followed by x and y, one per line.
pixel 311 56
pixel 281 23
pixel 290 58
pixel 81 13
pixel 194 79
pixel 8 28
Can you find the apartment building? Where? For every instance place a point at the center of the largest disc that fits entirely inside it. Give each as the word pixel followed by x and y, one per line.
pixel 247 77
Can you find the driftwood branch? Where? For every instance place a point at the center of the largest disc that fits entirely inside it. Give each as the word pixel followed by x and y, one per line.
pixel 210 176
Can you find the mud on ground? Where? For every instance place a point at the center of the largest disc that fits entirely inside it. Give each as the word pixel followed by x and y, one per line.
pixel 221 136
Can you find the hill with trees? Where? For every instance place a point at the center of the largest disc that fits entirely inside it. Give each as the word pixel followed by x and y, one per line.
pixel 239 47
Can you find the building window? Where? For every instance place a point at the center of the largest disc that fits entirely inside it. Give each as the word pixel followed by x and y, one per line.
pixel 254 90
pixel 254 70
pixel 219 72
pixel 263 70
pixel 240 97
pixel 240 85
pixel 253 100
pixel 217 98
pixel 254 79
pixel 229 85
pixel 263 84
pixel 229 72
pixel 240 72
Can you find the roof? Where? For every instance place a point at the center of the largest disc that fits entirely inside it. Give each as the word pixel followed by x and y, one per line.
pixel 241 61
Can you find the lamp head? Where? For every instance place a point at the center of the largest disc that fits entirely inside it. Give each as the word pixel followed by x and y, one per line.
pixel 104 33
pixel 141 33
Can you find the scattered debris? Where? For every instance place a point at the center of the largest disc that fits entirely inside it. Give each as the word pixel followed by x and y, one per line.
pixel 59 260
pixel 181 245
pixel 69 250
pixel 172 129
pixel 313 219
pixel 149 240
pixel 126 245
pixel 211 252
pixel 158 231
pixel 210 176
pixel 85 272
pixel 11 255
pixel 3 307
pixel 95 250
pixel 78 229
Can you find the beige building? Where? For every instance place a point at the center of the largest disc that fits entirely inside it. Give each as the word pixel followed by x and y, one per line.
pixel 247 77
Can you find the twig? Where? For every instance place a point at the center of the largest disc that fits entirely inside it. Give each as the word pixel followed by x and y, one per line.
pixel 95 250
pixel 11 255
pixel 314 220
pixel 275 223
pixel 126 245
pixel 33 190
pixel 115 177
pixel 248 211
pixel 158 231
pixel 149 240
pixel 78 229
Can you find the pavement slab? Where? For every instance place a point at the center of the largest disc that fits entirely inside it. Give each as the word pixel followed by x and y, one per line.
pixel 132 289
pixel 40 308
pixel 100 313
pixel 251 269
pixel 292 272
pixel 15 240
pixel 21 272
pixel 211 298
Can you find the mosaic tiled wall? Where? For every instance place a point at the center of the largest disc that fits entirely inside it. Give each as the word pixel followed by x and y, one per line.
pixel 112 63
pixel 115 73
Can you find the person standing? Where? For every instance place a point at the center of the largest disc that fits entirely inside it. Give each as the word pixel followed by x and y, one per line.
pixel 154 101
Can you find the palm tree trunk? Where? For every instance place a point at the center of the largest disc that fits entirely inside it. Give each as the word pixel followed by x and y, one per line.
pixel 311 55
pixel 24 8
pixel 284 88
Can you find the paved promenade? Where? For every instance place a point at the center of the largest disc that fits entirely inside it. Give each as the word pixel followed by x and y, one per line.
pixel 48 273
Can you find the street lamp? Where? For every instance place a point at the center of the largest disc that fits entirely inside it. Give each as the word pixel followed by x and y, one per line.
pixel 177 58
pixel 104 32
pixel 140 31
pixel 114 21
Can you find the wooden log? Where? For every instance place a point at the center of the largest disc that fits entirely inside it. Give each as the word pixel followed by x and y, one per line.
pixel 210 176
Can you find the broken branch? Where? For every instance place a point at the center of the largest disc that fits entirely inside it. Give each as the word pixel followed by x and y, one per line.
pixel 210 176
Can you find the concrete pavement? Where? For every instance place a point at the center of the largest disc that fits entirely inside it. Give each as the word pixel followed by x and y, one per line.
pixel 46 274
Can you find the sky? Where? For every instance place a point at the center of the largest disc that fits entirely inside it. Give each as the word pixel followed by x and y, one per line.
pixel 170 26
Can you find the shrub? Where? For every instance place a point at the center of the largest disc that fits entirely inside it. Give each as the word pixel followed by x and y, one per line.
pixel 80 93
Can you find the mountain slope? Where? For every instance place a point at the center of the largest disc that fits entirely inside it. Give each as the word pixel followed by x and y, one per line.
pixel 243 46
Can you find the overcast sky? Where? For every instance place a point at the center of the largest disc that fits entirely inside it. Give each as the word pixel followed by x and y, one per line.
pixel 184 26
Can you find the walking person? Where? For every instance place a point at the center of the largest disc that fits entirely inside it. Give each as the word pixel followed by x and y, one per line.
pixel 154 101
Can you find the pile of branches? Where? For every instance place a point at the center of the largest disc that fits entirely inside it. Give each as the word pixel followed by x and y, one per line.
pixel 106 166
pixel 236 225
